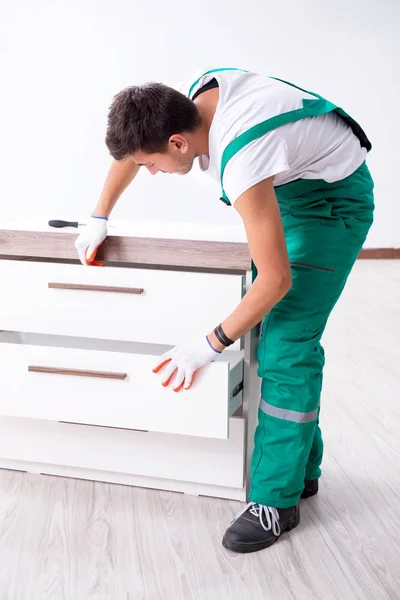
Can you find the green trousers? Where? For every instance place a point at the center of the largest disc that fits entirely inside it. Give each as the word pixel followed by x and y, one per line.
pixel 325 227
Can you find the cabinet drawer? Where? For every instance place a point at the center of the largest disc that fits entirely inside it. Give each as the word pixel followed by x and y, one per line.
pixel 113 386
pixel 142 305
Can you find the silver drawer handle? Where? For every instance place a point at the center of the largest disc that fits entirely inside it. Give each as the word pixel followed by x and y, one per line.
pixel 94 288
pixel 78 372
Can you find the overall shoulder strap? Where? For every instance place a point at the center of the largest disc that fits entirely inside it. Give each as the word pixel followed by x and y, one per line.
pixel 193 86
pixel 354 126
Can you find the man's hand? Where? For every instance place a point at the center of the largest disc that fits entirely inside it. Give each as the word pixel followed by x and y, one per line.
pixel 94 234
pixel 185 361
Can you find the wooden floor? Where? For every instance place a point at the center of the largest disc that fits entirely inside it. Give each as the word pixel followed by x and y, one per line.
pixel 78 540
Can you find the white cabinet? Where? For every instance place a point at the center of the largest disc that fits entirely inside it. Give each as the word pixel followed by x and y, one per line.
pixel 77 348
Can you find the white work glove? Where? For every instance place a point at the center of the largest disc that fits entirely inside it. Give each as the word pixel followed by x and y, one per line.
pixel 185 361
pixel 93 234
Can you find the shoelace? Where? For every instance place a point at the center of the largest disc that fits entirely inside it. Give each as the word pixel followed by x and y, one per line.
pixel 270 514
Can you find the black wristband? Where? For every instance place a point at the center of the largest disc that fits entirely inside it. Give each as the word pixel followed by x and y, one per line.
pixel 221 337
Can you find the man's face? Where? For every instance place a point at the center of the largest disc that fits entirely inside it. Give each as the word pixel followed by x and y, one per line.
pixel 178 158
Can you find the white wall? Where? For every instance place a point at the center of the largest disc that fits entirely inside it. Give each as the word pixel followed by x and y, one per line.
pixel 62 61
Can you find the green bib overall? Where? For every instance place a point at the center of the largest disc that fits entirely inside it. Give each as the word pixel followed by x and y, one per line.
pixel 325 226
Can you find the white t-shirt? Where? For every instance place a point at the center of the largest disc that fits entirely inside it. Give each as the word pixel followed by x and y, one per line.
pixel 312 148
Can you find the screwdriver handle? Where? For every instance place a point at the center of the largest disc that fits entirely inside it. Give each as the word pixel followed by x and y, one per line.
pixel 61 223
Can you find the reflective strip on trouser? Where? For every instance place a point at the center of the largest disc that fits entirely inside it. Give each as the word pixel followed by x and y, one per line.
pixel 287 414
pixel 325 227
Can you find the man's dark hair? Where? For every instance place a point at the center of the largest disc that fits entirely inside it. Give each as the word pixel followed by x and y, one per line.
pixel 144 118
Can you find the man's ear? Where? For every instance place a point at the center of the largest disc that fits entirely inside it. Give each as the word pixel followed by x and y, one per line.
pixel 179 142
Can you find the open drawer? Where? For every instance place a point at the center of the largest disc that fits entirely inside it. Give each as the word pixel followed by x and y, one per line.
pixel 110 383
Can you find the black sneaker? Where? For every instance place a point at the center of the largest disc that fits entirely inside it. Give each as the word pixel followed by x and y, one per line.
pixel 257 527
pixel 310 488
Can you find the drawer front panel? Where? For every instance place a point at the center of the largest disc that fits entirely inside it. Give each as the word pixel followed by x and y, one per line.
pixel 142 305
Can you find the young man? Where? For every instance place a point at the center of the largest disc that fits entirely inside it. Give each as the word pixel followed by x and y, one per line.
pixel 293 165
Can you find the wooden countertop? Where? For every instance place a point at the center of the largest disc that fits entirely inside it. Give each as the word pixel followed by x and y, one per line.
pixel 145 244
